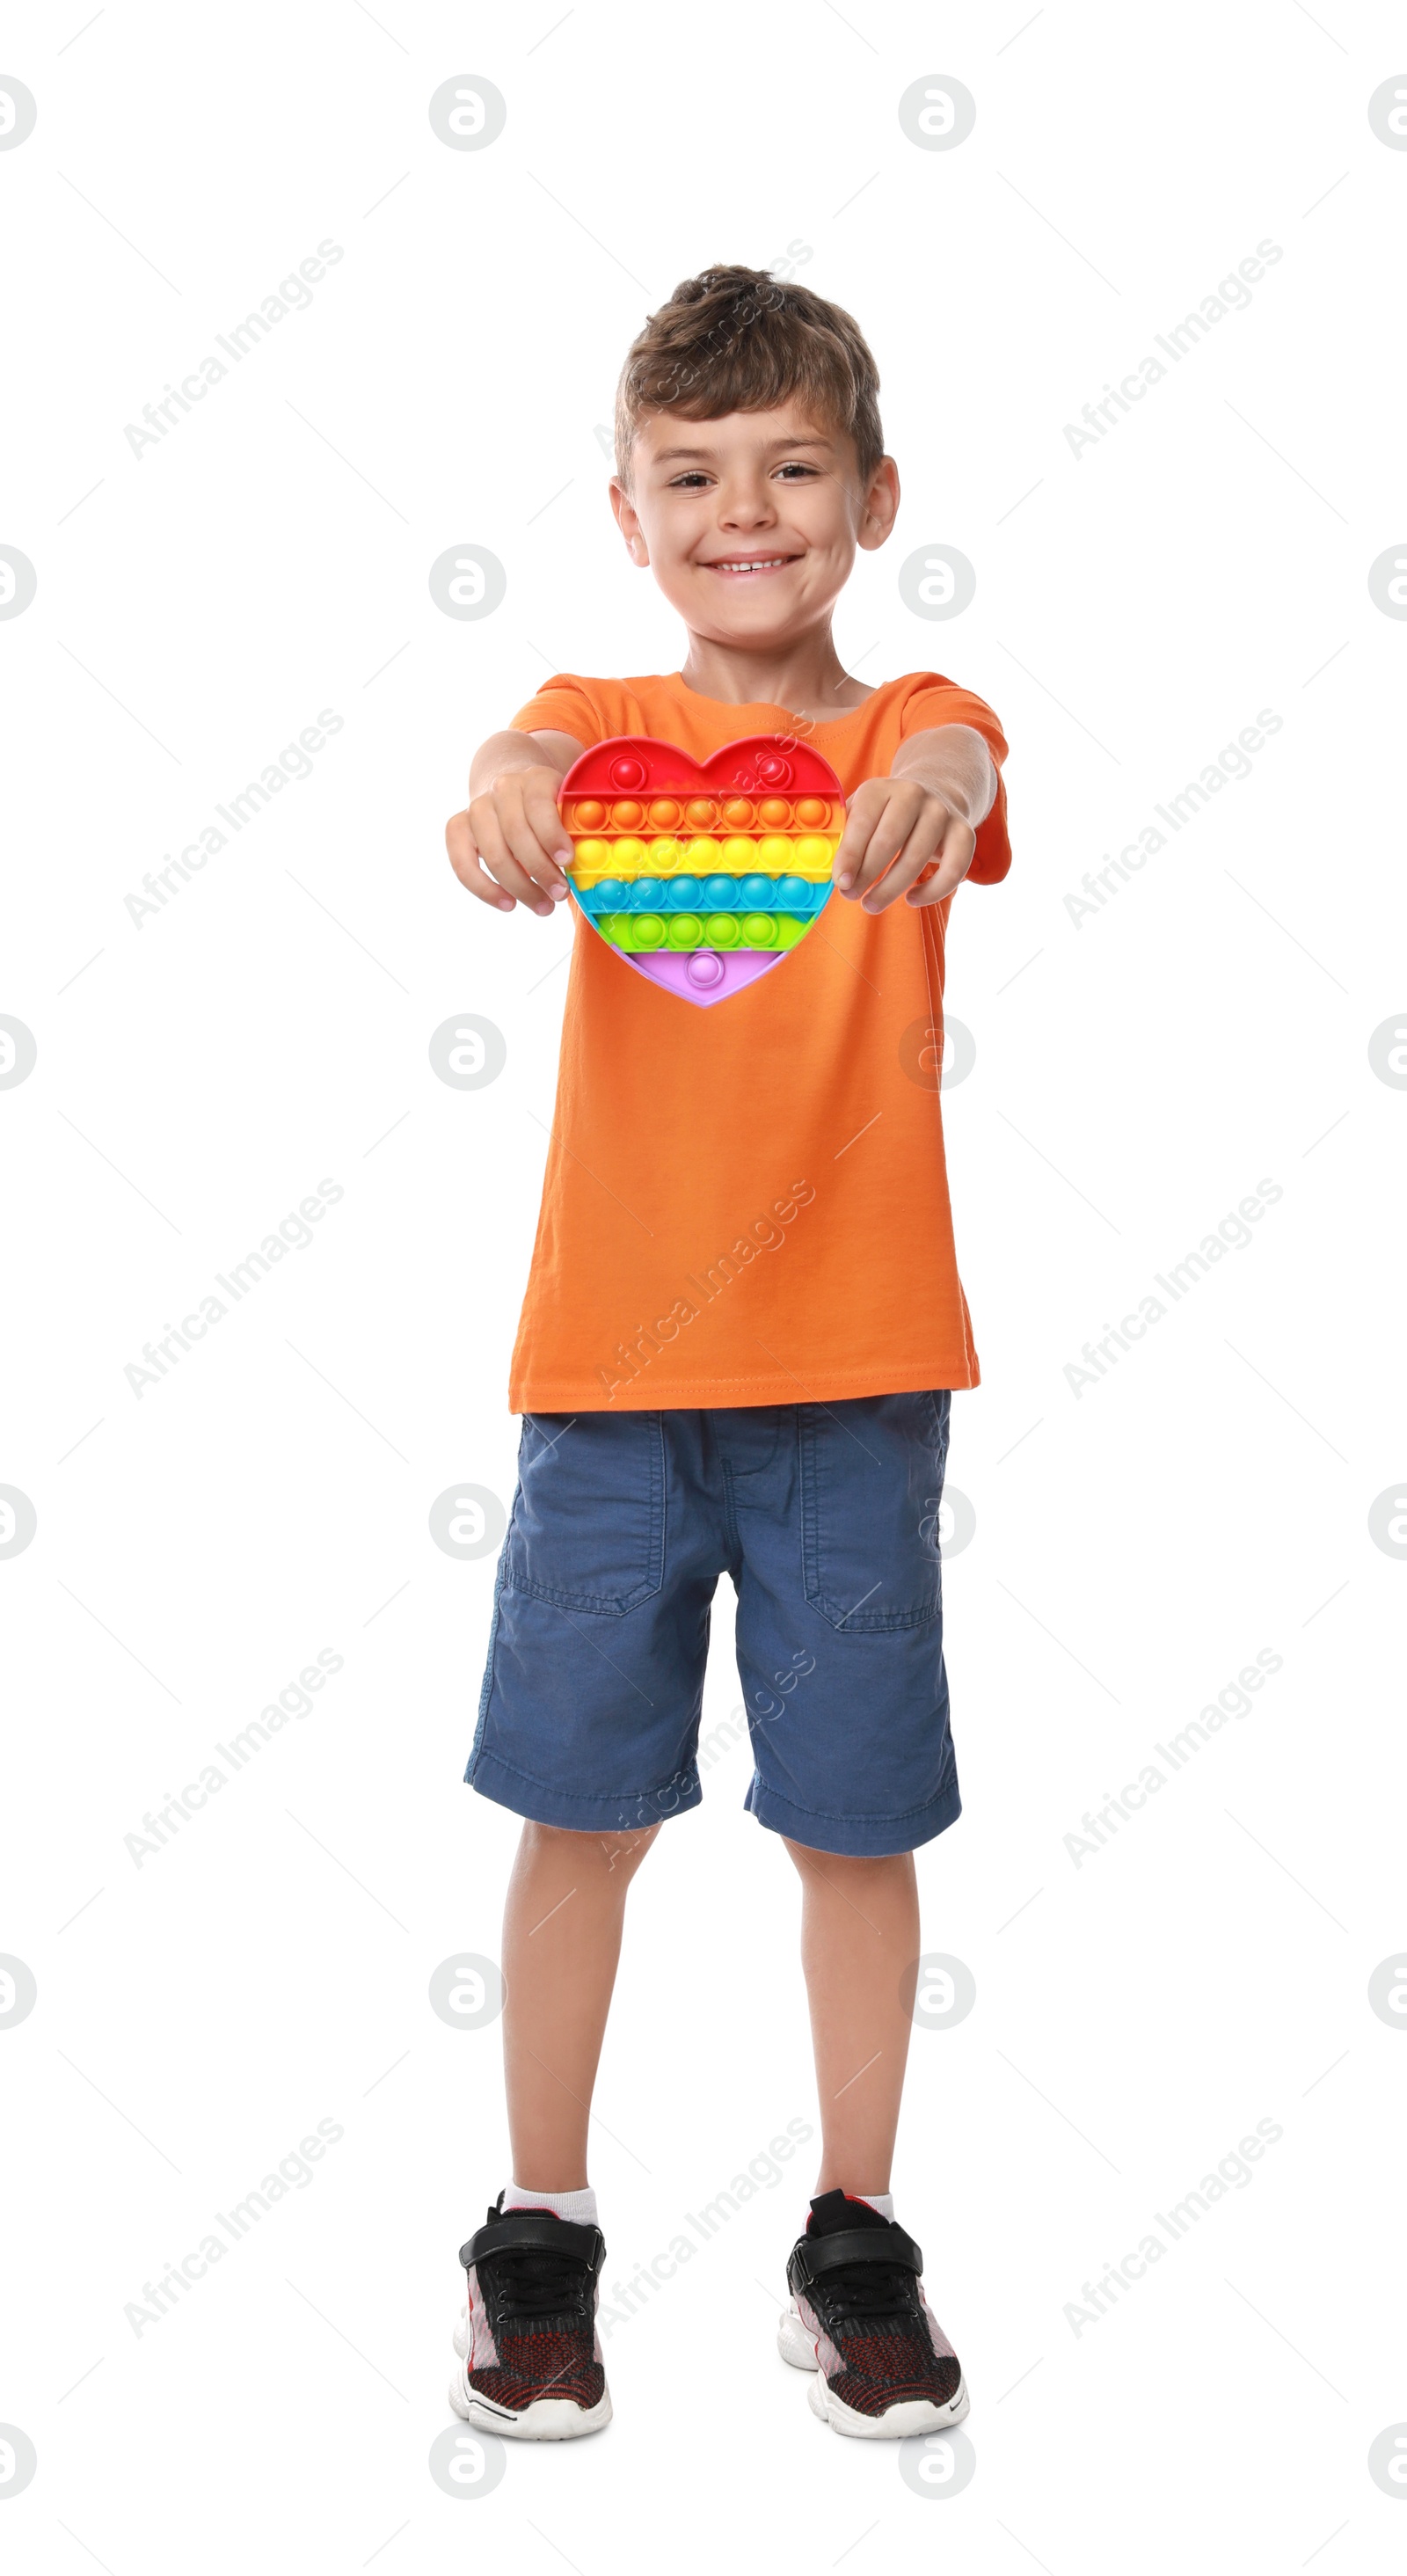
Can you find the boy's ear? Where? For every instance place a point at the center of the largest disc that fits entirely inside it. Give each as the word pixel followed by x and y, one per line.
pixel 628 522
pixel 880 506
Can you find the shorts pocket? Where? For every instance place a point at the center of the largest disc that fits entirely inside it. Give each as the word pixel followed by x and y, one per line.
pixel 871 1486
pixel 587 1531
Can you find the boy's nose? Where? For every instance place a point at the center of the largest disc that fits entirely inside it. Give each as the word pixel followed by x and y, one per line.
pixel 746 506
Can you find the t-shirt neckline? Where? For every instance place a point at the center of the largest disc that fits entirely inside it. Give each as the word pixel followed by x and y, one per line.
pixel 771 706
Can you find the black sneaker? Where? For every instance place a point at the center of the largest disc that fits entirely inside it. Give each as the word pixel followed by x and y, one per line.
pixel 530 2357
pixel 858 2318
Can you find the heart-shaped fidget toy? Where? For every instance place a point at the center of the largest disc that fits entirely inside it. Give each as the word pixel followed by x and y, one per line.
pixel 704 874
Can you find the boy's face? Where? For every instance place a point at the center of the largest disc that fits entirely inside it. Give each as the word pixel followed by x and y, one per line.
pixel 750 523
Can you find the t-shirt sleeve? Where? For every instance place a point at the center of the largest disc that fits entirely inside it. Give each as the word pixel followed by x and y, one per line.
pixel 934 702
pixel 564 704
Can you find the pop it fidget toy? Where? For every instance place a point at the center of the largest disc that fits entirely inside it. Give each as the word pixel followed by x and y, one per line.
pixel 703 874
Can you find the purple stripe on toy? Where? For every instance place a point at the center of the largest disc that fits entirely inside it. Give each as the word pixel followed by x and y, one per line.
pixel 703 975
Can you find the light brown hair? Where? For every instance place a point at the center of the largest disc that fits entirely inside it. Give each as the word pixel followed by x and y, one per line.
pixel 738 339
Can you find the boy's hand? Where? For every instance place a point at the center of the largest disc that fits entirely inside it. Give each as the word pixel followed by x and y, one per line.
pixel 511 845
pixel 915 832
pixel 895 831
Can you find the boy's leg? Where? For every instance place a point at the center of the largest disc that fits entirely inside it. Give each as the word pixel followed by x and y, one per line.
pixel 859 1950
pixel 561 1942
pixel 858 2320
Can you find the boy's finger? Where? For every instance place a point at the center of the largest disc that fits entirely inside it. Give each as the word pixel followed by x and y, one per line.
pixel 465 861
pixel 541 809
pixel 515 880
pixel 532 858
pixel 854 840
pixel 959 847
pixel 922 847
pixel 895 836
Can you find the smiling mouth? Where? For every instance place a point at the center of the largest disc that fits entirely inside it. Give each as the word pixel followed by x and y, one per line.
pixel 744 565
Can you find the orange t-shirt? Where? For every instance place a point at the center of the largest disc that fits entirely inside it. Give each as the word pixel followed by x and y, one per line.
pixel 748 1204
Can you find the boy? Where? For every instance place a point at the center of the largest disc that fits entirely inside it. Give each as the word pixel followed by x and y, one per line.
pixel 695 1403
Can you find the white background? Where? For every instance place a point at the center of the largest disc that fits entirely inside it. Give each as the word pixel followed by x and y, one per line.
pixel 1136 606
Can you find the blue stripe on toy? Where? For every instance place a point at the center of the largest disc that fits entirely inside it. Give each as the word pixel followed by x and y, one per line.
pixel 707 894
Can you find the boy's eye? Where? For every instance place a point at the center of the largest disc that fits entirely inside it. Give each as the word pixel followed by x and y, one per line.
pixel 689 482
pixel 797 468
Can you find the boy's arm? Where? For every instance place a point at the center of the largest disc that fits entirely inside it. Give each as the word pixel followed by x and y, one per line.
pixel 920 823
pixel 509 846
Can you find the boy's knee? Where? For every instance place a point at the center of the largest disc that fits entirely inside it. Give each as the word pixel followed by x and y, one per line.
pixel 615 1855
pixel 850 1869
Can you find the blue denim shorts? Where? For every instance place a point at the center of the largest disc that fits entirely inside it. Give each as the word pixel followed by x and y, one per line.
pixel 826 1518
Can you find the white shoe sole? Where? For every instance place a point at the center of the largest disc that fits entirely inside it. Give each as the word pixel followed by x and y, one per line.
pixel 548 2419
pixel 912 2415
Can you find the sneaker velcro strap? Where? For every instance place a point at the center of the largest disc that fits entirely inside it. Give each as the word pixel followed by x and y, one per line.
pixel 814 2256
pixel 535 2231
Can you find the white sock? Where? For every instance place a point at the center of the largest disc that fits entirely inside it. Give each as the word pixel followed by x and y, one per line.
pixel 579 2206
pixel 883 2201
